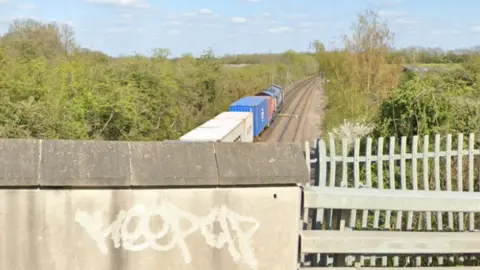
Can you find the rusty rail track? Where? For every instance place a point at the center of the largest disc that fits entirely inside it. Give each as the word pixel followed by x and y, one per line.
pixel 299 109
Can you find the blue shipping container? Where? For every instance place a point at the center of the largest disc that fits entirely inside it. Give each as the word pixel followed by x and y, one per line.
pixel 258 106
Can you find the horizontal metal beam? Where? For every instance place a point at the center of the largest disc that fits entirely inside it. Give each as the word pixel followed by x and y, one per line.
pixel 388 242
pixel 395 200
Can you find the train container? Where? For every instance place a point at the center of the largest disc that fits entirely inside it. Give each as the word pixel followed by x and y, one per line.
pixel 258 106
pixel 277 96
pixel 271 103
pixel 216 130
pixel 278 93
pixel 247 121
pixel 276 86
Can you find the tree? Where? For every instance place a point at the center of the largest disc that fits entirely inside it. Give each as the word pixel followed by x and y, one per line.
pixel 361 74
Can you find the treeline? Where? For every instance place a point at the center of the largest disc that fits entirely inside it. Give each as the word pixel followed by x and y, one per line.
pixel 259 58
pixel 51 87
pixel 412 55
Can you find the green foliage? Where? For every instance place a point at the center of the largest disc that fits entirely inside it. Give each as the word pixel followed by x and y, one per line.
pixel 365 82
pixel 52 88
pixel 360 75
pixel 434 103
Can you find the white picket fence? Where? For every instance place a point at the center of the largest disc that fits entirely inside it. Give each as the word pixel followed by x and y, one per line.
pixel 446 164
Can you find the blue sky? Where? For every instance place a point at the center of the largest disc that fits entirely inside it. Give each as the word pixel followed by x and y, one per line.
pixel 246 26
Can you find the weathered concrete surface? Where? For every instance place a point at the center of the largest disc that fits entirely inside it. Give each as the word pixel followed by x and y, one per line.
pixel 261 163
pixel 173 164
pixel 107 163
pixel 182 229
pixel 84 163
pixel 19 162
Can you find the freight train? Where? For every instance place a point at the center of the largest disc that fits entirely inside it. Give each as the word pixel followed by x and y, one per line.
pixel 246 119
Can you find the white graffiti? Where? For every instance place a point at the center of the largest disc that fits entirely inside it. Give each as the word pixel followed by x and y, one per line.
pixel 238 242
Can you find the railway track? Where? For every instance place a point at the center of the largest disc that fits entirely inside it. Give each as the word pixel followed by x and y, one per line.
pixel 292 129
pixel 288 126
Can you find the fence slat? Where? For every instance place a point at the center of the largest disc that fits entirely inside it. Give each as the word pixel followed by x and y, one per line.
pixel 391 177
pixel 471 145
pixel 460 178
pixel 340 215
pixel 418 259
pixel 344 182
pixel 448 175
pixel 426 186
pixel 368 176
pixel 383 242
pixel 395 200
pixel 403 183
pixel 376 216
pixel 356 178
pixel 318 217
pixel 322 172
pixel 448 179
pixel 333 164
pixel 461 217
pixel 438 186
pixel 333 179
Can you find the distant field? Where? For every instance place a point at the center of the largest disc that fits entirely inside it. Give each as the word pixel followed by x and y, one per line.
pixel 435 66
pixel 237 65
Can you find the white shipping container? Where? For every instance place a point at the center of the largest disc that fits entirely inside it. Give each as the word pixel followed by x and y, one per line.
pixel 247 120
pixel 216 130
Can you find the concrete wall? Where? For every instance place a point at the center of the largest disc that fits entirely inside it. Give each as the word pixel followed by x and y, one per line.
pixel 223 228
pixel 181 214
pixel 102 163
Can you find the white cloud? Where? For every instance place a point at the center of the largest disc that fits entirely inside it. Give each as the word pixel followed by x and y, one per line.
pixel 142 5
pixel 296 16
pixel 282 29
pixel 305 24
pixel 175 22
pixel 205 11
pixel 391 13
pixel 3 1
pixel 26 18
pixel 25 6
pixel 437 32
pixel 119 29
pixel 406 20
pixel 61 21
pixel 239 20
pixel 116 2
pixel 393 2
pixel 202 13
pixel 174 32
pixel 476 28
pixel 308 24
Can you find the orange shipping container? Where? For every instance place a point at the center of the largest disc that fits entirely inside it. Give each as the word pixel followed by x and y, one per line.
pixel 271 108
pixel 271 104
